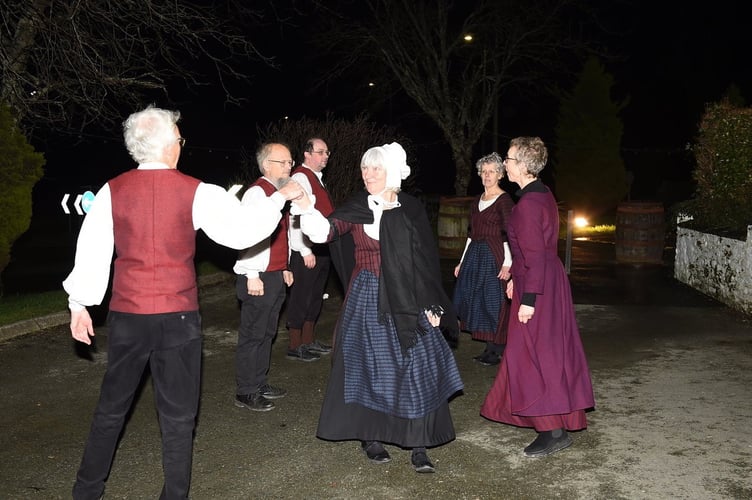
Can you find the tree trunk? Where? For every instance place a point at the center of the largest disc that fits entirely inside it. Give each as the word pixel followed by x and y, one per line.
pixel 462 164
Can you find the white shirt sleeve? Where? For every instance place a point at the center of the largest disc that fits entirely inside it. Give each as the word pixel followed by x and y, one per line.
pixel 507 256
pixel 215 211
pixel 467 244
pixel 231 223
pixel 255 259
pixel 87 282
pixel 298 241
pixel 315 225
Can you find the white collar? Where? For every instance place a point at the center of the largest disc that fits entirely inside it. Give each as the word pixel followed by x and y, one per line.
pixel 153 165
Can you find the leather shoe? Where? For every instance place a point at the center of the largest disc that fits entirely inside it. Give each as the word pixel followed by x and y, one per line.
pixel 548 442
pixel 375 452
pixel 319 348
pixel 481 355
pixel 489 359
pixel 421 463
pixel 254 402
pixel 301 353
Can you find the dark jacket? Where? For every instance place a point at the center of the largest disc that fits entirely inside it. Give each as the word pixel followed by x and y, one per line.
pixel 410 279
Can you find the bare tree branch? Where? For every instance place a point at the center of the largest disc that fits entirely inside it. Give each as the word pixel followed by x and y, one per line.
pixel 73 63
pixel 455 82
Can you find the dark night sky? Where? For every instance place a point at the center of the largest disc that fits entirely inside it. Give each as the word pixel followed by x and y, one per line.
pixel 674 57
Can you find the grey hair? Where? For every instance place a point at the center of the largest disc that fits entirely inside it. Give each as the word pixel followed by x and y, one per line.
pixel 374 157
pixel 491 159
pixel 262 153
pixel 148 132
pixel 532 152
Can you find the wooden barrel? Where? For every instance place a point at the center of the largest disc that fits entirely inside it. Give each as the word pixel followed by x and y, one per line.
pixel 453 225
pixel 640 232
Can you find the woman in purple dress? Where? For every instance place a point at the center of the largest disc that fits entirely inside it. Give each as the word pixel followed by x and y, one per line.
pixel 483 271
pixel 543 380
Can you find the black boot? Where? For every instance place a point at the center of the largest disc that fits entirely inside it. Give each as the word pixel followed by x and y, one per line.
pixel 548 442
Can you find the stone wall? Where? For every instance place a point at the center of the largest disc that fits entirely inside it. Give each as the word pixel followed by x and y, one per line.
pixel 716 266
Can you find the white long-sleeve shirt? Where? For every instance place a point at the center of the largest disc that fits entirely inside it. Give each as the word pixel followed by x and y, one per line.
pixel 299 242
pixel 255 259
pixel 215 211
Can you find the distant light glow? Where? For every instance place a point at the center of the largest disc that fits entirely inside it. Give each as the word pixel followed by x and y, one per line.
pixel 468 38
pixel 580 221
pixel 371 84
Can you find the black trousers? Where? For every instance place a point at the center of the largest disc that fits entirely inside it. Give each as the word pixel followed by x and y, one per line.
pixel 307 290
pixel 259 318
pixel 171 344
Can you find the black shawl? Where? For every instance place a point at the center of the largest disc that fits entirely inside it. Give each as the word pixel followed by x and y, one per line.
pixel 410 272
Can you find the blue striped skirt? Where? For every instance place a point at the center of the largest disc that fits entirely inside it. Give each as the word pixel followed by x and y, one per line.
pixel 377 374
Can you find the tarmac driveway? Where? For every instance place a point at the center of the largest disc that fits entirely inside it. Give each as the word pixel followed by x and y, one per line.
pixel 671 371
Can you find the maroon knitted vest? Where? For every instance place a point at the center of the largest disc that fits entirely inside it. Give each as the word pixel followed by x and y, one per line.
pixel 155 243
pixel 323 201
pixel 279 249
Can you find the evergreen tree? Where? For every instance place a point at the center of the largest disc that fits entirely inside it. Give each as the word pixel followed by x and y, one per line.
pixel 590 174
pixel 20 168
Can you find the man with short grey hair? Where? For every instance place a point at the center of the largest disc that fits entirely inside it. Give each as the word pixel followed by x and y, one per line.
pixel 150 216
pixel 261 287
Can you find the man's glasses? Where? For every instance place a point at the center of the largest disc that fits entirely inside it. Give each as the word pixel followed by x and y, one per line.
pixel 510 158
pixel 291 163
pixel 181 141
pixel 323 152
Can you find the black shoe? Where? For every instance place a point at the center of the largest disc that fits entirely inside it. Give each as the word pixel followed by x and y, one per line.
pixel 301 353
pixel 548 442
pixel 317 347
pixel 421 463
pixel 271 392
pixel 375 452
pixel 489 359
pixel 255 402
pixel 481 355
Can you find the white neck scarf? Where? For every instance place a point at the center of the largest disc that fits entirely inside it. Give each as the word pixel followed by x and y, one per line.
pixel 377 204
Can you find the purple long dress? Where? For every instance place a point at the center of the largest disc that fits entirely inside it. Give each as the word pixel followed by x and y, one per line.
pixel 543 380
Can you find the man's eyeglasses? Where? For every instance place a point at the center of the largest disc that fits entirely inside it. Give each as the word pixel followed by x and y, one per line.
pixel 181 141
pixel 510 158
pixel 323 152
pixel 291 163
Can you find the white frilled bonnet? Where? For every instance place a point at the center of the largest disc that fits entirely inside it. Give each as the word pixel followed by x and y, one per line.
pixel 393 159
pixel 395 163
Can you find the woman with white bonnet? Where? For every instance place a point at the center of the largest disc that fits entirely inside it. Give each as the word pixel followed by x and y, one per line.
pixel 392 370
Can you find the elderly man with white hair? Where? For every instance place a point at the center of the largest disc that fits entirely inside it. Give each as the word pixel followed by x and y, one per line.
pixel 150 216
pixel 392 370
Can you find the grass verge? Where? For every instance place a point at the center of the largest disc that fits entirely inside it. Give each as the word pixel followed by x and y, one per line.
pixel 589 231
pixel 19 307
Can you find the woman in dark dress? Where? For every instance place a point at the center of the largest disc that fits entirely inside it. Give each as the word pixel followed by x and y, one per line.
pixel 543 380
pixel 483 271
pixel 392 370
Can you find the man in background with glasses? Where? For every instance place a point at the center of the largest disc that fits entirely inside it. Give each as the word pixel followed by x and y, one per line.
pixel 263 276
pixel 309 262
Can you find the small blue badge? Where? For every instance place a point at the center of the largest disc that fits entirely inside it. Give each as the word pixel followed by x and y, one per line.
pixel 86 200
